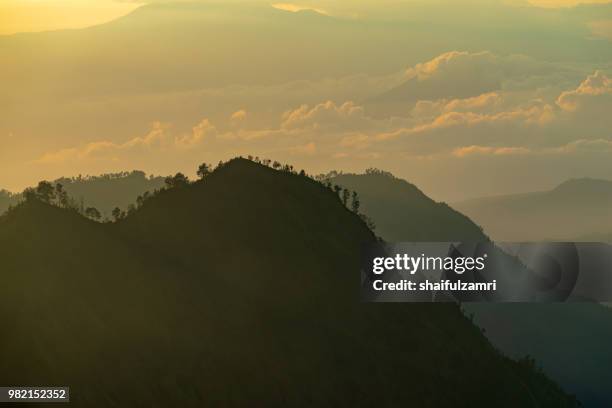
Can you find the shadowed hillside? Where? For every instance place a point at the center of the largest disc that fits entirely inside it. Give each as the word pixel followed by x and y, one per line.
pixel 402 212
pixel 571 341
pixel 574 209
pixel 238 288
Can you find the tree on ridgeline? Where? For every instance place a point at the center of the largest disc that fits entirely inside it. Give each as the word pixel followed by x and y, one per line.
pixel 345 196
pixel 176 181
pixel 29 194
pixel 61 196
pixel 45 192
pixel 204 170
pixel 141 199
pixel 368 222
pixel 337 190
pixel 93 213
pixel 355 203
pixel 117 214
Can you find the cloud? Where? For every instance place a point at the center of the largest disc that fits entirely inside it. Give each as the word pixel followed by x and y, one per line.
pixel 198 134
pixel 601 28
pixel 468 76
pixel 595 92
pixel 471 150
pixel 457 64
pixel 157 139
pixel 600 146
pixel 328 116
pixel 485 124
pixel 514 127
pixel 106 150
pixel 453 129
pixel 294 8
pixel 306 149
pixel 484 102
pixel 565 3
pixel 239 116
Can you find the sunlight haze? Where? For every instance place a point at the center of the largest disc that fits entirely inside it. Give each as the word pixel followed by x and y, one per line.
pixel 441 93
pixel 43 15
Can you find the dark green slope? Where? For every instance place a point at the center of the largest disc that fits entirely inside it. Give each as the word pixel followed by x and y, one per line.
pixel 573 342
pixel 402 212
pixel 570 341
pixel 236 290
pixel 80 307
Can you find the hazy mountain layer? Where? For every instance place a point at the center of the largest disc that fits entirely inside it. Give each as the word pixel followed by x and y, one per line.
pixel 7 199
pixel 238 288
pixel 572 210
pixel 572 342
pixel 402 212
pixel 103 192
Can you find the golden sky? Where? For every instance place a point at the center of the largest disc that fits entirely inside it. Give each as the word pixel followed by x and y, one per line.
pixel 444 99
pixel 43 15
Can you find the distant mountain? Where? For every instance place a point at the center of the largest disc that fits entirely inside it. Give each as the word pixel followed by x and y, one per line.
pixel 402 212
pixel 574 209
pixel 249 42
pixel 571 341
pixel 108 191
pixel 403 97
pixel 234 290
pixel 597 237
pixel 7 199
pixel 256 43
pixel 104 192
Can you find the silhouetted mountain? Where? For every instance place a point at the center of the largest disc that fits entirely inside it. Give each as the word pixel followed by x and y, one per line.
pixel 238 289
pixel 402 212
pixel 571 341
pixel 573 209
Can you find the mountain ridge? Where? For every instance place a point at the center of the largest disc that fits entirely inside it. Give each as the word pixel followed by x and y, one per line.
pixel 204 298
pixel 574 332
pixel 572 209
pixel 407 208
